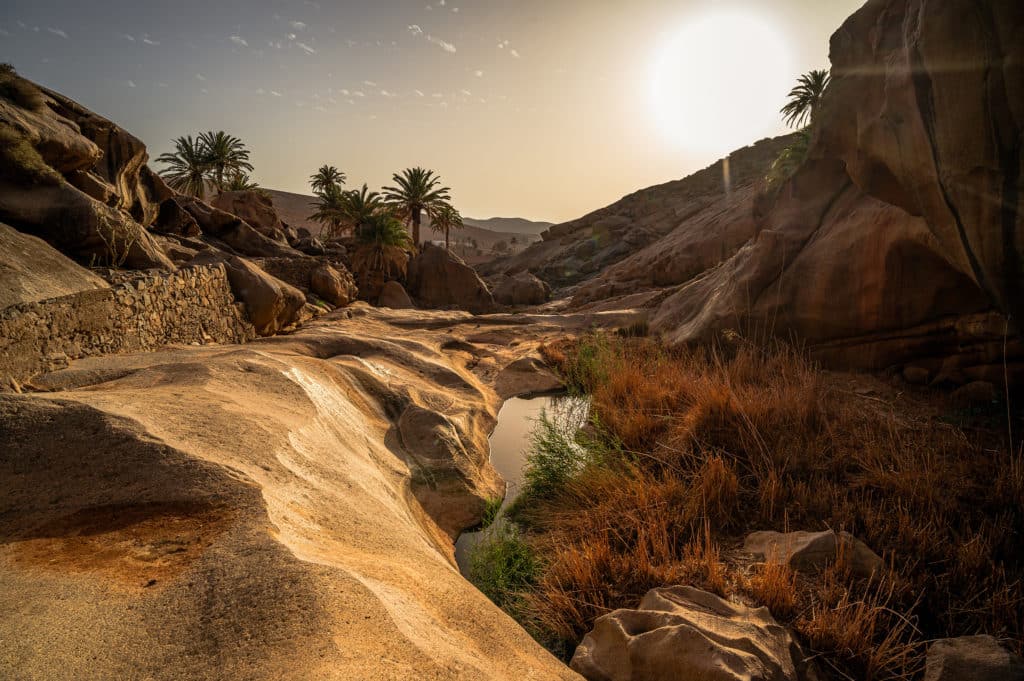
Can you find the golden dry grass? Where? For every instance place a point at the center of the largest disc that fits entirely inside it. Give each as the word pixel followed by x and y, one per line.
pixel 699 448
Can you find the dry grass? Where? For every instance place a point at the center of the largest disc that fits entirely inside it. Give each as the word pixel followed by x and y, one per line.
pixel 17 90
pixel 700 448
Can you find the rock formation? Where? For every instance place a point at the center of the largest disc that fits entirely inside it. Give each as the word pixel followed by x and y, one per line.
pixel 31 270
pixel 685 633
pixel 814 551
pixel 972 658
pixel 439 279
pixel 522 288
pixel 393 295
pixel 282 509
pixel 898 241
pixel 256 209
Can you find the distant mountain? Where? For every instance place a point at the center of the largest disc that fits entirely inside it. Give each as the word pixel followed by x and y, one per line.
pixel 517 233
pixel 509 225
pixel 294 209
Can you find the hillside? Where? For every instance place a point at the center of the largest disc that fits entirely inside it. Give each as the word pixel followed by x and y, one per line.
pixel 295 209
pixel 575 251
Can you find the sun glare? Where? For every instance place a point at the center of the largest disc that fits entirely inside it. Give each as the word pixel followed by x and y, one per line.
pixel 718 82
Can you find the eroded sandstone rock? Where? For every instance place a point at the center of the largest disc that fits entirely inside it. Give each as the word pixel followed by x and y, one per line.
pixel 256 209
pixel 522 288
pixel 814 551
pixel 271 304
pixel 31 270
pixel 394 296
pixel 972 658
pixel 684 633
pixel 438 278
pixel 337 288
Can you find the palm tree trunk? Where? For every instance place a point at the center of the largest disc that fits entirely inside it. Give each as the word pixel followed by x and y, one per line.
pixel 416 227
pixel 446 246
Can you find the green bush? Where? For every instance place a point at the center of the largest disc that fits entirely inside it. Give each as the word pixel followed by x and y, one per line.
pixel 17 90
pixel 789 161
pixel 503 566
pixel 19 160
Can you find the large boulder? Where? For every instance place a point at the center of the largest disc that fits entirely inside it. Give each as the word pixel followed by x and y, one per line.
pixel 814 551
pixel 256 209
pixel 271 304
pixel 232 230
pixel 31 270
pixel 972 658
pixel 337 288
pixel 522 288
pixel 685 633
pixel 394 296
pixel 437 278
pixel 900 239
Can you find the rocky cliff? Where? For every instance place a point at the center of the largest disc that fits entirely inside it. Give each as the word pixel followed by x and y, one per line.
pixel 899 240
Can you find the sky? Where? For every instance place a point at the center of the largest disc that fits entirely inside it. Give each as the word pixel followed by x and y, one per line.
pixel 541 109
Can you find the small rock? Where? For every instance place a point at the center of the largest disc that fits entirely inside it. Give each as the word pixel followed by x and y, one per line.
pixel 813 551
pixel 916 375
pixel 972 658
pixel 976 393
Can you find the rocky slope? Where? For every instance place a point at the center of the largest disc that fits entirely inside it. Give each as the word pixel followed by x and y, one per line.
pixel 283 509
pixel 898 242
pixel 581 249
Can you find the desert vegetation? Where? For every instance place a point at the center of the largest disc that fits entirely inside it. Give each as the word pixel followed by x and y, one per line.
pixel 211 158
pixel 688 451
pixel 799 112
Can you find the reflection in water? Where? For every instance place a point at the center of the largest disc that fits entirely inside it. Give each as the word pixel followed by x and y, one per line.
pixel 510 446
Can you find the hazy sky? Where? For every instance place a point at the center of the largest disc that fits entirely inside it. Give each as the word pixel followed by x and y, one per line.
pixel 544 109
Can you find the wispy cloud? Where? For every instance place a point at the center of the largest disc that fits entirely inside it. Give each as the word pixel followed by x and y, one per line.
pixel 467 93
pixel 276 93
pixel 444 45
pixel 57 32
pixel 239 40
pixel 369 83
pixel 150 42
pixel 200 77
pixel 478 73
pixel 131 83
pixel 514 53
pixel 385 93
pixel 297 25
pixel 306 47
pixel 415 30
pixel 128 37
pixel 419 93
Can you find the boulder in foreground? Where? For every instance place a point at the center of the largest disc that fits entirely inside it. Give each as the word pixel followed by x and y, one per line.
pixel 972 658
pixel 684 633
pixel 814 551
pixel 31 270
pixel 522 288
pixel 439 279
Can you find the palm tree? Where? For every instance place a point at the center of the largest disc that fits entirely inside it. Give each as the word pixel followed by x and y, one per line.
pixel 226 156
pixel 325 178
pixel 417 190
pixel 339 210
pixel 241 182
pixel 186 167
pixel 382 253
pixel 805 98
pixel 444 218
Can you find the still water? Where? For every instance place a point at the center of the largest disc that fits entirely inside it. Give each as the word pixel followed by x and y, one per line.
pixel 510 446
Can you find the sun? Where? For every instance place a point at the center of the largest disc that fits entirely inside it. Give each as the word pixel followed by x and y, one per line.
pixel 718 82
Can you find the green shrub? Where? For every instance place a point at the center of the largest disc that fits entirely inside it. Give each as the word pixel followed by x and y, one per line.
pixel 492 508
pixel 503 566
pixel 20 161
pixel 789 161
pixel 17 90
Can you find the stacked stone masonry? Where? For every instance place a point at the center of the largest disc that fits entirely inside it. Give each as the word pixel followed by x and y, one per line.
pixel 188 307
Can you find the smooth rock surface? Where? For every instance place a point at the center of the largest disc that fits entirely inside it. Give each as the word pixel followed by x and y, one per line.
pixel 682 633
pixel 439 279
pixel 394 296
pixel 814 551
pixel 337 288
pixel 522 288
pixel 972 658
pixel 31 270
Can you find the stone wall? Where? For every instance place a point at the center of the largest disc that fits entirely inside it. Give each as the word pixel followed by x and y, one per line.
pixel 296 271
pixel 190 306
